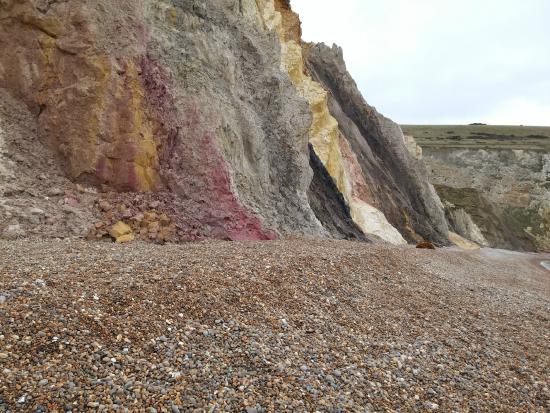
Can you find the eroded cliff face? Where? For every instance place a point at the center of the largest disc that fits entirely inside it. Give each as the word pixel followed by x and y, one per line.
pixel 498 198
pixel 168 98
pixel 325 136
pixel 385 174
pixel 192 120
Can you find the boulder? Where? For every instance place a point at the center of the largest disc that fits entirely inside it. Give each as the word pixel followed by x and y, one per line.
pixel 121 232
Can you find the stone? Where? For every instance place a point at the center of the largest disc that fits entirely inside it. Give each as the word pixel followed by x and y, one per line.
pixel 150 216
pixel 34 219
pixel 36 211
pixel 127 214
pixel 426 246
pixel 13 231
pixel 72 201
pixel 121 232
pixel 153 227
pixel 123 239
pixel 431 406
pixel 55 191
pixel 105 206
pixel 164 219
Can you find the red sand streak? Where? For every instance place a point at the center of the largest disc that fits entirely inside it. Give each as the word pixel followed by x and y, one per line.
pixel 192 166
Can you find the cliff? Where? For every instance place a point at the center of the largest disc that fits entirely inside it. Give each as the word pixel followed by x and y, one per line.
pixel 190 120
pixel 386 175
pixel 493 181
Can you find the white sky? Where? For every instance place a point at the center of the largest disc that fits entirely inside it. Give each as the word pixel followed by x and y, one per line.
pixel 442 61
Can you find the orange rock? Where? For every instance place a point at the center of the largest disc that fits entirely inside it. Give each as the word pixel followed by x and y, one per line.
pixel 150 216
pixel 153 227
pixel 164 219
pixel 125 238
pixel 121 232
pixel 105 206
pixel 426 246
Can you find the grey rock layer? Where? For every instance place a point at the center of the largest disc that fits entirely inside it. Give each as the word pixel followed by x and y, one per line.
pixel 506 192
pixel 36 199
pixel 399 182
pixel 232 69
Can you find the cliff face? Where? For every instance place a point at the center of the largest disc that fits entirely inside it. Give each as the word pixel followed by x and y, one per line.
pixel 193 120
pixel 504 192
pixel 386 175
pixel 166 97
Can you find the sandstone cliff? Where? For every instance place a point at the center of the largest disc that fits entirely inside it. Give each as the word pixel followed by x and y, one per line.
pixel 387 176
pixel 191 120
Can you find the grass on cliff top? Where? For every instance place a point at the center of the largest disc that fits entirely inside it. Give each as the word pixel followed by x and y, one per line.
pixel 481 136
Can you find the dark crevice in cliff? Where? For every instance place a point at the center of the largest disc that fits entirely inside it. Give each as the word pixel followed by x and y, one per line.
pixel 399 184
pixel 328 203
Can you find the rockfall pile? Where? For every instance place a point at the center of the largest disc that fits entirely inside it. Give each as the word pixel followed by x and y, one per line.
pixel 185 120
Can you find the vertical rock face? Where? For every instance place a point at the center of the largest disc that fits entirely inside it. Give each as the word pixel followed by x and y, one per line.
pixel 173 97
pixel 390 178
pixel 503 191
pixel 324 135
pixel 206 110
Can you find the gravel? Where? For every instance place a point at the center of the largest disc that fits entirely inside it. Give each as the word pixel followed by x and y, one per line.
pixel 298 325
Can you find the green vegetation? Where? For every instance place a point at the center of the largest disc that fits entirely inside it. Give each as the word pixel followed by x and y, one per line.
pixel 505 226
pixel 535 138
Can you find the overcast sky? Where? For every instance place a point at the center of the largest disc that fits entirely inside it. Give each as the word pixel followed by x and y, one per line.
pixel 442 61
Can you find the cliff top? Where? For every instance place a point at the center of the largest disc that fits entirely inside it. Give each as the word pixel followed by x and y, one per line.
pixel 481 136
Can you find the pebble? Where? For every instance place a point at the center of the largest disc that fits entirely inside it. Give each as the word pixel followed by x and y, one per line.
pixel 55 191
pixel 431 406
pixel 36 211
pixel 316 331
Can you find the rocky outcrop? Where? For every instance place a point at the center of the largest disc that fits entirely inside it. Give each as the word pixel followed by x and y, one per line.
pixel 203 113
pixel 333 146
pixel 391 180
pixel 36 199
pixel 168 97
pixel 495 197
pixel 324 134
